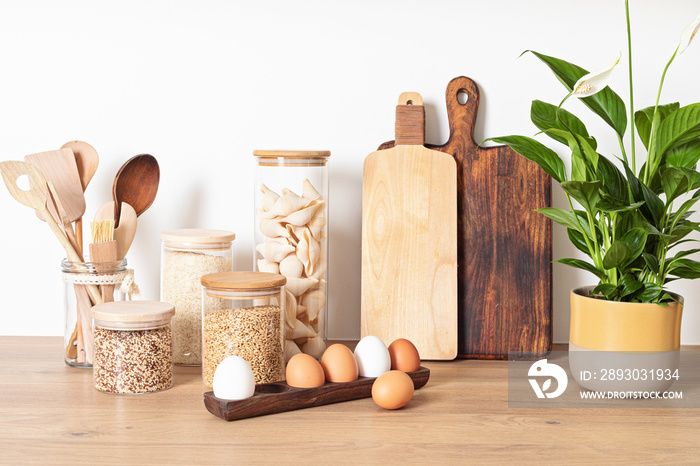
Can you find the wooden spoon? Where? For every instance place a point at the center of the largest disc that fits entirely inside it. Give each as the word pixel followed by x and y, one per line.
pixel 136 184
pixel 125 232
pixel 86 159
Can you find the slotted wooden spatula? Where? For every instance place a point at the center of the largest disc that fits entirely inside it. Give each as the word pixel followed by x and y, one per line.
pixel 59 168
pixel 409 240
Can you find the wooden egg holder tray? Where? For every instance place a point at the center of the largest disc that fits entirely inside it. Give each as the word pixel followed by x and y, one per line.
pixel 278 397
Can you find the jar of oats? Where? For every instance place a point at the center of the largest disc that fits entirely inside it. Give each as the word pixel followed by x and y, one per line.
pixel 133 347
pixel 291 238
pixel 186 256
pixel 243 315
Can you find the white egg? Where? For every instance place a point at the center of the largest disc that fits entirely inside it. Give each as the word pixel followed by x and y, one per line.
pixel 233 379
pixel 372 357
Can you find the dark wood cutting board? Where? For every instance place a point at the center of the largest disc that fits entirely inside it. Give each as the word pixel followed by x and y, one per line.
pixel 504 247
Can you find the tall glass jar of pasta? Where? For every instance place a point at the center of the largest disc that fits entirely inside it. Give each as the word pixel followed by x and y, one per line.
pixel 291 238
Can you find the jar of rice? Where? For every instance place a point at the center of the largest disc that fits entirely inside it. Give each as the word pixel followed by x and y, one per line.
pixel 186 256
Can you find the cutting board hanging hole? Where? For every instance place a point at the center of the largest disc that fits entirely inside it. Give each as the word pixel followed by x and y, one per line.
pixel 462 97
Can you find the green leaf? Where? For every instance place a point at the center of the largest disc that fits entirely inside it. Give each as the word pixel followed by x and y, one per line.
pixel 674 183
pixel 653 208
pixel 654 204
pixel 586 193
pixel 562 217
pixel 614 182
pixel 579 168
pixel 606 103
pixel 650 293
pixel 584 266
pixel 576 238
pixel 545 117
pixel 681 230
pixel 534 150
pixel 608 290
pixel 678 127
pixel 652 262
pixel 686 268
pixel 626 249
pixel 645 116
pixel 609 204
pixel 682 254
pixel 616 256
pixel 630 284
pixel 685 156
pixel 581 146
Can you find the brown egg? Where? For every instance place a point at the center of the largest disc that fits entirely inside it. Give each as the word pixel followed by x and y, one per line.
pixel 392 390
pixel 404 356
pixel 304 371
pixel 339 364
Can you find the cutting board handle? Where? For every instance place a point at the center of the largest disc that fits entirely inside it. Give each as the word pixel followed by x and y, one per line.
pixel 462 116
pixel 410 119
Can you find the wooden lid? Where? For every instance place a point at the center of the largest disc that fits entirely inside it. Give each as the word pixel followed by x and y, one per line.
pixel 303 154
pixel 198 236
pixel 243 280
pixel 138 312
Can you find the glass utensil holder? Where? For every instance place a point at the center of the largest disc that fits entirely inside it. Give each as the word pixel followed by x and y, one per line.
pixel 84 285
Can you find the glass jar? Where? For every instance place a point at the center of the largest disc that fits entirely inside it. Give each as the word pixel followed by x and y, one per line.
pixel 186 256
pixel 133 347
pixel 84 284
pixel 243 315
pixel 291 238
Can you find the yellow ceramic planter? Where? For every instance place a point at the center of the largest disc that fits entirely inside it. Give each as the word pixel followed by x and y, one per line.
pixel 634 338
pixel 614 326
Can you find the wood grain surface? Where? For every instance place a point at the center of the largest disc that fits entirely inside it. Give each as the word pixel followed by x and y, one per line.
pixel 278 397
pixel 504 246
pixel 59 167
pixel 51 414
pixel 409 242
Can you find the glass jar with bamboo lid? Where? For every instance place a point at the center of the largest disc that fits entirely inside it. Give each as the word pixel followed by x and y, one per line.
pixel 291 238
pixel 243 315
pixel 186 256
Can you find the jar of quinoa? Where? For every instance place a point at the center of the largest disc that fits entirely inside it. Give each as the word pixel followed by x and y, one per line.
pixel 133 347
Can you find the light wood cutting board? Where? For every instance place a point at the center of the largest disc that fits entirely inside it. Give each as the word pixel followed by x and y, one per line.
pixel 409 240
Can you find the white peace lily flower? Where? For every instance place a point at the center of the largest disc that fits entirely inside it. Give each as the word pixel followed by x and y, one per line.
pixel 595 82
pixel 688 34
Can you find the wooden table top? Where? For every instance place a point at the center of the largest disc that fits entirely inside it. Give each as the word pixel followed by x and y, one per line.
pixel 51 414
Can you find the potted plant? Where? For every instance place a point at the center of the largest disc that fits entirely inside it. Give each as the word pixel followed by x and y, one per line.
pixel 631 220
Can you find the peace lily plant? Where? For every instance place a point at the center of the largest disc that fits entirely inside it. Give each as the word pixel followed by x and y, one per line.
pixel 627 221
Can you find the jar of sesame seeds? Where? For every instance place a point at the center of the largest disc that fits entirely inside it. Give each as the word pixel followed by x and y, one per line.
pixel 243 315
pixel 133 347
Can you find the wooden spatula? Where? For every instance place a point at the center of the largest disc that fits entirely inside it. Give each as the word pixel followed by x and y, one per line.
pixel 86 160
pixel 409 240
pixel 59 167
pixel 35 197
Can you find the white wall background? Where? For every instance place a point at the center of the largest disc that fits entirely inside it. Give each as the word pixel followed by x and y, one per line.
pixel 200 84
